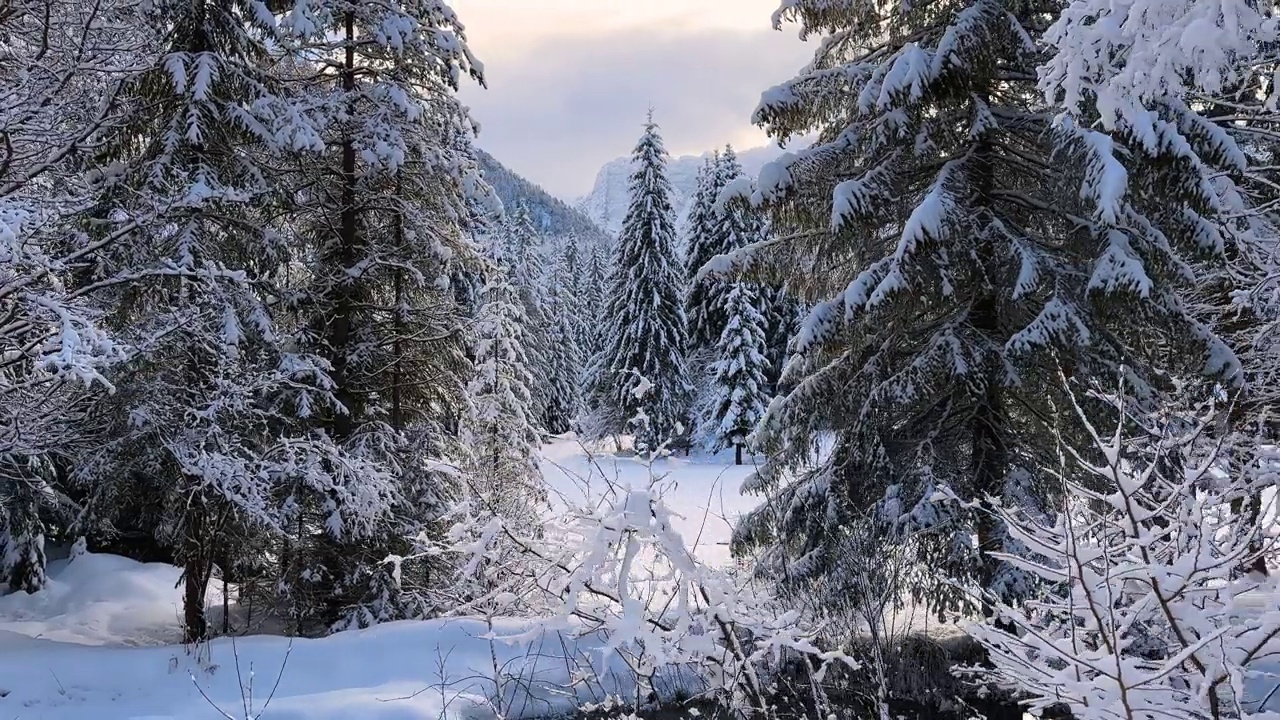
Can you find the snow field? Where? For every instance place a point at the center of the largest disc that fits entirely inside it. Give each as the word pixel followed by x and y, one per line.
pixel 102 641
pixel 73 652
pixel 706 490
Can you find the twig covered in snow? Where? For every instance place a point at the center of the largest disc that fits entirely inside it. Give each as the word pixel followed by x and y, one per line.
pixel 1145 612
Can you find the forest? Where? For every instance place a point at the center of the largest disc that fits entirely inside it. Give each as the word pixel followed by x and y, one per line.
pixel 963 406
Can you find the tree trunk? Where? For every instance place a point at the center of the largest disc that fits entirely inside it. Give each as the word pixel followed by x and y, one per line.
pixel 195 575
pixel 342 322
pixel 397 350
pixel 737 454
pixel 226 602
pixel 342 319
pixel 195 627
pixel 989 455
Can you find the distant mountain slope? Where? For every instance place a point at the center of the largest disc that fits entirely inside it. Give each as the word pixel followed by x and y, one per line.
pixel 606 205
pixel 554 216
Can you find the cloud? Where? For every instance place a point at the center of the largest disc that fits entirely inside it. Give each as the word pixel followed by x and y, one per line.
pixel 558 109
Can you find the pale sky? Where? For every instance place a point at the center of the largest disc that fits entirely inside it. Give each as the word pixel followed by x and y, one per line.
pixel 570 80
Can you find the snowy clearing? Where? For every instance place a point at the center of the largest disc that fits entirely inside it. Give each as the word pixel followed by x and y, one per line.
pixel 65 655
pixel 102 641
pixel 704 489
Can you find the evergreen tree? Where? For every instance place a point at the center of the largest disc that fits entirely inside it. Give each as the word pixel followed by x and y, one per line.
pixel 1222 60
pixel 190 436
pixel 500 430
pixel 595 296
pixel 723 227
pixel 526 267
pixel 376 227
pixel 972 253
pixel 704 314
pixel 739 372
pixel 564 394
pixel 639 379
pixel 782 316
pixel 570 279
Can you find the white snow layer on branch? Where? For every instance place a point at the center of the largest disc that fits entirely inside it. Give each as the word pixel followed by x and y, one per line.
pixel 1121 56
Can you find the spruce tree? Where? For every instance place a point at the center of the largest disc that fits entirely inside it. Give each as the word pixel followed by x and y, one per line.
pixel 705 316
pixel 1221 60
pixel 782 316
pixel 526 269
pixel 724 227
pixel 500 430
pixel 739 372
pixel 564 391
pixel 968 253
pixel 640 382
pixel 570 279
pixel 380 200
pixel 595 297
pixel 190 436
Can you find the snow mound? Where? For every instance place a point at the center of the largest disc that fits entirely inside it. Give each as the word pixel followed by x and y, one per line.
pixel 440 669
pixel 100 642
pixel 96 599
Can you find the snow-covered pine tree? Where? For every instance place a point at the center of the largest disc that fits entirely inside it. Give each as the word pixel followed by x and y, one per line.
pixel 1127 68
pixel 739 372
pixel 379 205
pixel 595 296
pixel 570 278
pixel 564 389
pixel 734 224
pixel 724 227
pixel 526 270
pixel 483 222
pixel 500 430
pixel 188 438
pixel 783 314
pixel 967 251
pixel 702 302
pixel 639 379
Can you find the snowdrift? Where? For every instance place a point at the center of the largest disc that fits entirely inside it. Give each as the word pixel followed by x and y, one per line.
pixel 65 655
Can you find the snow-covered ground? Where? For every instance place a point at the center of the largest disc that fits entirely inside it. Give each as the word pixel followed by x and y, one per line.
pixel 704 489
pixel 102 641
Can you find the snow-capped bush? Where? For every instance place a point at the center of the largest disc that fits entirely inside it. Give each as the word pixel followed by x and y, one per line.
pixel 1151 608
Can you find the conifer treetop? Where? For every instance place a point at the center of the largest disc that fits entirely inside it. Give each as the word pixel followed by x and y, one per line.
pixel 645 342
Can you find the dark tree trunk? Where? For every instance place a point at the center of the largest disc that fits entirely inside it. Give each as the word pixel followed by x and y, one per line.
pixel 195 627
pixel 990 455
pixel 342 319
pixel 195 575
pixel 342 322
pixel 226 597
pixel 737 454
pixel 398 350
